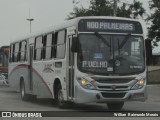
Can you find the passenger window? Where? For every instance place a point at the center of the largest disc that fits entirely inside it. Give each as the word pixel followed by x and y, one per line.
pixel 12 53
pixel 49 44
pixel 16 53
pixel 38 48
pixel 61 37
pixel 23 51
pixel 60 46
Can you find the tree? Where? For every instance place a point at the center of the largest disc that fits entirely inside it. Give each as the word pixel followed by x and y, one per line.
pixel 77 12
pixel 106 8
pixel 137 9
pixel 100 7
pixel 96 8
pixel 154 30
pixel 133 10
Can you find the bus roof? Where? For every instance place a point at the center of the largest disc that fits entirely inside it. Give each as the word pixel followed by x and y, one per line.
pixel 68 23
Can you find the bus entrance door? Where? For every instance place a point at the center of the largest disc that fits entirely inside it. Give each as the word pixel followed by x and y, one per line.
pixel 71 71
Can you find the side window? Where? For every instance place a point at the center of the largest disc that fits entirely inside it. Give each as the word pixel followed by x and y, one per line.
pixel 48 46
pixel 60 44
pixel 23 51
pixel 16 52
pixel 38 48
pixel 44 47
pixel 12 53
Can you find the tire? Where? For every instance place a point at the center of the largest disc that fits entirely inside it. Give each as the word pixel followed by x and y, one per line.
pixel 115 105
pixel 59 98
pixel 24 96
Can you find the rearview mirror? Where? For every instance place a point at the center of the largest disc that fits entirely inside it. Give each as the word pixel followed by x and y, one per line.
pixel 74 47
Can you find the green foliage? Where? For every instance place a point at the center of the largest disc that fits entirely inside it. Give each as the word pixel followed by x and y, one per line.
pixel 137 8
pixel 78 12
pixel 100 7
pixel 106 8
pixel 154 30
pixel 123 12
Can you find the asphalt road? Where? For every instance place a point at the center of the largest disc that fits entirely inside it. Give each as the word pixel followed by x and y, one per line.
pixel 11 101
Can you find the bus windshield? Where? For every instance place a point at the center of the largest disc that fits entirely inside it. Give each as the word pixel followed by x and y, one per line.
pixel 111 54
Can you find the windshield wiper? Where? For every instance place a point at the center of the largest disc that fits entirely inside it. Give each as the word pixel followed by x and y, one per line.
pixel 124 41
pixel 103 39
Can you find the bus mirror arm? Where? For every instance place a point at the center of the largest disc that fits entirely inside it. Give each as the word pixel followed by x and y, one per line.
pixel 74 47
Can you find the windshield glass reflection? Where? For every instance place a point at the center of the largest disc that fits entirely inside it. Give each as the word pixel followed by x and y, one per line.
pixel 112 54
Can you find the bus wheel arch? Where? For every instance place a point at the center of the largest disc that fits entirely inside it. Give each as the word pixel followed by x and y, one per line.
pixel 58 94
pixel 55 85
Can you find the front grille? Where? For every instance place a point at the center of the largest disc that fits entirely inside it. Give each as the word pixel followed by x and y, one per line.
pixel 113 95
pixel 113 80
pixel 114 84
pixel 110 87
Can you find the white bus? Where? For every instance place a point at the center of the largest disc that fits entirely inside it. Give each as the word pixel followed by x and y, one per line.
pixel 86 59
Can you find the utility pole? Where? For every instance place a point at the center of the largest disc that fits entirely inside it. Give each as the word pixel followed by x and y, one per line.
pixel 115 7
pixel 30 21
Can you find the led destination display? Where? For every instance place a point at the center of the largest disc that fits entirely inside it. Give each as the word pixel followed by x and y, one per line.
pixel 109 25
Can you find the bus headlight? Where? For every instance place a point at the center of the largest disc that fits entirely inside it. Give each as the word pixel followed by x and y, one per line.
pixel 85 84
pixel 139 84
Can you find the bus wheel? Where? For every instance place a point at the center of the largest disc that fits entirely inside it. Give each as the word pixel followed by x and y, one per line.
pixel 24 96
pixel 115 105
pixel 59 98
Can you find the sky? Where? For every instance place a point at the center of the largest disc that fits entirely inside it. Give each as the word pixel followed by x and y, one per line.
pixel 13 15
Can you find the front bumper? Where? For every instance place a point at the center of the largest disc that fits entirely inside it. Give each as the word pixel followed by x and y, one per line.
pixel 84 96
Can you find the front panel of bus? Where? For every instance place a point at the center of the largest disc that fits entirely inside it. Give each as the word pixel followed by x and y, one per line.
pixel 110 61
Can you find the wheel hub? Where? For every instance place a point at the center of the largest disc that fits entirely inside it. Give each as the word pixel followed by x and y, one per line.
pixel 22 91
pixel 60 96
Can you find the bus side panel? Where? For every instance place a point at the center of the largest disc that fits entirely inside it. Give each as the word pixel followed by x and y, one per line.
pixel 16 72
pixel 55 69
pixel 13 82
pixel 40 85
pixel 49 74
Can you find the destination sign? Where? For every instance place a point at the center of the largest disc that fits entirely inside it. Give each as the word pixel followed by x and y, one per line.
pixel 110 25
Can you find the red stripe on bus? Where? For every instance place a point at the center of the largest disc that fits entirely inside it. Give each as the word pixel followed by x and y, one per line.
pixel 33 70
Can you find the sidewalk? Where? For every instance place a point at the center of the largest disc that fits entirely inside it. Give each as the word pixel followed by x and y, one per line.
pixel 153 94
pixel 154 74
pixel 153 68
